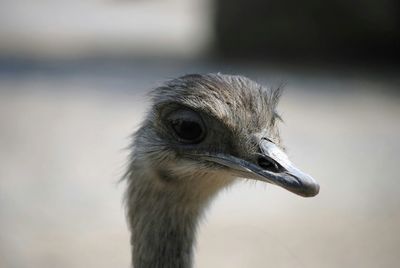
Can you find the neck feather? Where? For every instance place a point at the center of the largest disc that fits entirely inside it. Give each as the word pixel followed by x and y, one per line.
pixel 163 217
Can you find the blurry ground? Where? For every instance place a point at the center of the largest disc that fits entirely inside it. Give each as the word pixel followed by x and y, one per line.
pixel 74 28
pixel 64 127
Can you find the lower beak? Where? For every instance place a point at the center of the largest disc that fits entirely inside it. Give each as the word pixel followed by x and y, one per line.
pixel 273 166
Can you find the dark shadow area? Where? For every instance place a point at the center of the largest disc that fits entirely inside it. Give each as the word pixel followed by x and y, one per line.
pixel 340 31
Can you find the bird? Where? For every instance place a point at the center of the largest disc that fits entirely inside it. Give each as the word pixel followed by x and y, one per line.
pixel 202 133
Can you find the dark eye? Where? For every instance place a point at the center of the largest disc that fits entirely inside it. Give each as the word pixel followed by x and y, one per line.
pixel 187 126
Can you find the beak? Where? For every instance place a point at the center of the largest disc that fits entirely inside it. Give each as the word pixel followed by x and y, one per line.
pixel 273 166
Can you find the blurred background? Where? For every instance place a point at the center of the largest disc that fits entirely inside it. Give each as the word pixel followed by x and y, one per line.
pixel 73 82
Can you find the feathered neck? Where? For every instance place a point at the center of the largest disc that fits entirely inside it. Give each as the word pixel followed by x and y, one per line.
pixel 163 214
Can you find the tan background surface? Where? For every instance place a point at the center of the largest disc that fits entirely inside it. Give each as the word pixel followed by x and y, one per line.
pixel 62 143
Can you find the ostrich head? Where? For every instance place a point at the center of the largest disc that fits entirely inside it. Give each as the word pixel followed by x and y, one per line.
pixel 201 133
pixel 217 125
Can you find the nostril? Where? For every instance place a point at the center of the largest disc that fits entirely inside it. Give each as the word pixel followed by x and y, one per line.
pixel 268 164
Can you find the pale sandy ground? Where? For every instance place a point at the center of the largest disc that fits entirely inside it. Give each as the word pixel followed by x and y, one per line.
pixel 62 140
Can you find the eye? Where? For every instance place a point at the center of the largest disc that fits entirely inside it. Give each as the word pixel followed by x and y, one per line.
pixel 187 126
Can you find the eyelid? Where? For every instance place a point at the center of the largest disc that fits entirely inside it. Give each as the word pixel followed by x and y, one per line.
pixel 184 113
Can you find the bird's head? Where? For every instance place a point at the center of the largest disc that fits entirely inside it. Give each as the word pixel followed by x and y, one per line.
pixel 218 125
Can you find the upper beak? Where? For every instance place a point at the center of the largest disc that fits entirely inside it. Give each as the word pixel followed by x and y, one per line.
pixel 272 166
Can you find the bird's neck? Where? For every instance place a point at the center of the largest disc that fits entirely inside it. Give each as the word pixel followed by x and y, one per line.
pixel 163 219
pixel 163 236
